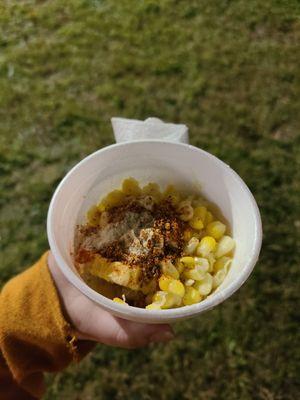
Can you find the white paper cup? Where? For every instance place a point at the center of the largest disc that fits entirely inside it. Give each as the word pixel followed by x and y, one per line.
pixel 164 163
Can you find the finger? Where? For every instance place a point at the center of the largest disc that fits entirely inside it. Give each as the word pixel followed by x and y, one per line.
pixel 114 331
pixel 133 334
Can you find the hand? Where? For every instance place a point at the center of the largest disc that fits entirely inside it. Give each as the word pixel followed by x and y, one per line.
pixel 94 323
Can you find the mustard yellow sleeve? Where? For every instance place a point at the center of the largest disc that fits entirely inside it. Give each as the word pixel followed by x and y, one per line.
pixel 34 335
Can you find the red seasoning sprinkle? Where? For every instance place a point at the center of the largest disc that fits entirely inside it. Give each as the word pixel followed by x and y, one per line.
pixel 157 236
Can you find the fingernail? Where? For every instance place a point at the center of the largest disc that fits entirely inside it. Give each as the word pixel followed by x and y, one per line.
pixel 164 336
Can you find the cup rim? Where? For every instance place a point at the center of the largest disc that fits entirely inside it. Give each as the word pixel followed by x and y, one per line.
pixel 134 313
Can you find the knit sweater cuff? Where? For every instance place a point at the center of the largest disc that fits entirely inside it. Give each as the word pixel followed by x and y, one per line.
pixel 35 337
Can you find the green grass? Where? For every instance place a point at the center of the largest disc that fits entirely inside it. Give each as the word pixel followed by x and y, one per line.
pixel 230 71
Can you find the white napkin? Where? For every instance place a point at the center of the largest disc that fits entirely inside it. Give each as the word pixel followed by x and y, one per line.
pixel 127 130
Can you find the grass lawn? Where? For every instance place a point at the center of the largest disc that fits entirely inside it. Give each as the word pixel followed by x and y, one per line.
pixel 230 71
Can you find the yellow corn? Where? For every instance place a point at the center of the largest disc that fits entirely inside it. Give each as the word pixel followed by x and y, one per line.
pixel 191 296
pixel 185 210
pixel 176 287
pixel 211 260
pixel 202 263
pixel 164 282
pixel 216 229
pixel 163 299
pixel 204 286
pixel 225 246
pixel 93 216
pixel 120 301
pixel 169 269
pixel 200 212
pixel 189 282
pixel 172 195
pixel 222 263
pixel 173 300
pixel 191 246
pixel 153 306
pixel 197 273
pixel 219 278
pixel 188 261
pixel 130 187
pixel 113 199
pixel 208 218
pixel 179 266
pixel 196 223
pixel 159 297
pixel 166 299
pixel 171 285
pixel 207 245
pixel 152 189
pixel 101 207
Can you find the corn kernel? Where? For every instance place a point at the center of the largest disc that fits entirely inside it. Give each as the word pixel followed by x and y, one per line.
pixel 200 212
pixel 166 299
pixel 172 195
pixel 222 263
pixel 164 282
pixel 176 287
pixel 153 306
pixel 93 216
pixel 179 266
pixel 113 199
pixel 188 261
pixel 197 273
pixel 204 286
pixel 196 223
pixel 159 297
pixel 207 245
pixel 225 246
pixel 185 210
pixel 191 246
pixel 189 282
pixel 120 301
pixel 211 260
pixel 169 269
pixel 152 189
pixel 191 296
pixel 216 229
pixel 219 278
pixel 173 300
pixel 101 207
pixel 202 264
pixel 208 218
pixel 130 187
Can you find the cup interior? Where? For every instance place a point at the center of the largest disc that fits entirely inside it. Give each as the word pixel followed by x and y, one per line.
pixel 184 166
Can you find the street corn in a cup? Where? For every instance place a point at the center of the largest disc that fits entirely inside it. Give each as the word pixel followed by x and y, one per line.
pixel 209 264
